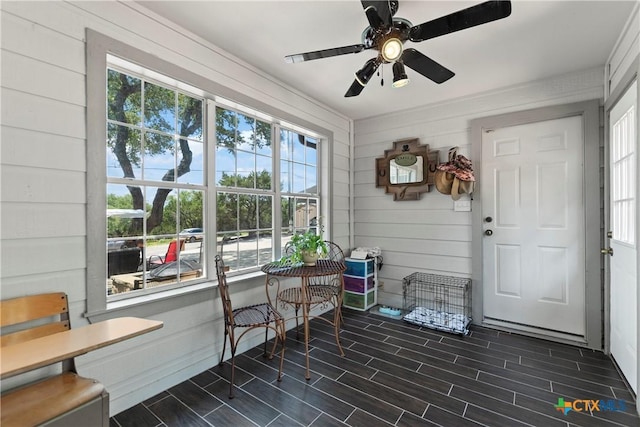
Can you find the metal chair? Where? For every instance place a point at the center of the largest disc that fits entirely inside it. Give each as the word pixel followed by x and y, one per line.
pixel 325 288
pixel 332 284
pixel 262 315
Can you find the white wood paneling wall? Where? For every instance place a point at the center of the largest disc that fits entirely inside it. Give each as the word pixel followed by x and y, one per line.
pixel 427 235
pixel 43 176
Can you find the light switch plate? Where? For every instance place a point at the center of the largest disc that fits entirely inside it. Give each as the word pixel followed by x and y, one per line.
pixel 462 206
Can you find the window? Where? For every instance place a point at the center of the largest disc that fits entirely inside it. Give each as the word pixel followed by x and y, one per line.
pixel 623 211
pixel 246 190
pixel 298 183
pixel 161 199
pixel 244 177
pixel 156 184
pixel 188 174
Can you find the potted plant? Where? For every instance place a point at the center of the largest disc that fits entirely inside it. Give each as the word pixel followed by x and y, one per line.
pixel 305 248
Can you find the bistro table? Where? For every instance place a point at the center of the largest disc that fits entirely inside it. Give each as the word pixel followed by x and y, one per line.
pixel 306 296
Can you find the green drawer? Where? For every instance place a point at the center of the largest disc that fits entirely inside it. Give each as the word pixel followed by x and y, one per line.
pixel 359 301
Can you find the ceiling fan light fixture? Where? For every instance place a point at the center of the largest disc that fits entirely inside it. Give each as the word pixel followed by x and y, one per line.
pixel 391 49
pixel 400 78
pixel 364 75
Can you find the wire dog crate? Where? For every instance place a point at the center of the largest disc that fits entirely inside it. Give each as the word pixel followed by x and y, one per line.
pixel 438 302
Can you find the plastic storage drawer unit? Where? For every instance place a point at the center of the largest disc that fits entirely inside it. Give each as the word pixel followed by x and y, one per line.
pixel 360 277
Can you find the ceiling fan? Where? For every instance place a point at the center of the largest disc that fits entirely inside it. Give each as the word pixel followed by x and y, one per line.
pixel 388 34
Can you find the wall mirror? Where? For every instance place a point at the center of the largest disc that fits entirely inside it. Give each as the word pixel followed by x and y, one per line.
pixel 407 169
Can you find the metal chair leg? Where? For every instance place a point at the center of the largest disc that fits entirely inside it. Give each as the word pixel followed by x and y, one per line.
pixel 224 346
pixel 233 371
pixel 297 326
pixel 266 331
pixel 283 337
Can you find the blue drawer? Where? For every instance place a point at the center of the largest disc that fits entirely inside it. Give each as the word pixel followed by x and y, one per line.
pixel 359 267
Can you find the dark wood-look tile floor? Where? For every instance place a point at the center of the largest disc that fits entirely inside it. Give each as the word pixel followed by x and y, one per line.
pixel 398 374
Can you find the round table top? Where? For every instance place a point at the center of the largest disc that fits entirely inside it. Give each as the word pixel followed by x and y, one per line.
pixel 323 267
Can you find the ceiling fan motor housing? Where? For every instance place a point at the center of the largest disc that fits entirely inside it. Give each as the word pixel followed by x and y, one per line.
pixel 377 38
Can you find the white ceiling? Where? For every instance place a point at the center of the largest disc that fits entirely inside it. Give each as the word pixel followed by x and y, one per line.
pixel 540 39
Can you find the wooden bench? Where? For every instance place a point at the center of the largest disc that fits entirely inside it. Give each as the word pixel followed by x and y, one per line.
pixel 64 399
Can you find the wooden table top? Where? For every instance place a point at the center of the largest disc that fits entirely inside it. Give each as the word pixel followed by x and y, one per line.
pixel 19 358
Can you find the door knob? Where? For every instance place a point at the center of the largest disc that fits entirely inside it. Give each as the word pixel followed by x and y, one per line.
pixel 488 232
pixel 607 251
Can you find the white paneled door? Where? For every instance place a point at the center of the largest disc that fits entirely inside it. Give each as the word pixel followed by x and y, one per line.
pixel 534 226
pixel 623 235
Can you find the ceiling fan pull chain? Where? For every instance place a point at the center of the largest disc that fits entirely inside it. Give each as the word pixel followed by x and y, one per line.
pixel 381 71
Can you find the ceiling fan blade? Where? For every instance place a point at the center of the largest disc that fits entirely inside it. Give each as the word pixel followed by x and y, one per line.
pixel 426 66
pixel 375 21
pixel 354 90
pixel 325 53
pixel 378 13
pixel 460 20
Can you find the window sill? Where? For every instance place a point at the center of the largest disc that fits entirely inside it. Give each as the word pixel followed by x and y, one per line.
pixel 153 304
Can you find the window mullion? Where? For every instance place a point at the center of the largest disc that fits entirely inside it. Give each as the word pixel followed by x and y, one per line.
pixel 210 142
pixel 277 193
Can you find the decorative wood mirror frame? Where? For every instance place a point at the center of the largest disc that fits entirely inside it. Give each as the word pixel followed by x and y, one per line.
pixel 407 191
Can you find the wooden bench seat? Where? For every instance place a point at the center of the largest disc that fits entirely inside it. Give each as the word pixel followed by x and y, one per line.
pixel 57 400
pixel 61 400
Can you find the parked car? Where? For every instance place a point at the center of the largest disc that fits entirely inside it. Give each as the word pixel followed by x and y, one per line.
pixel 192 234
pixel 116 245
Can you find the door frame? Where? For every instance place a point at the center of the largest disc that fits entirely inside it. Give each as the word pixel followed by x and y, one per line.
pixel 590 111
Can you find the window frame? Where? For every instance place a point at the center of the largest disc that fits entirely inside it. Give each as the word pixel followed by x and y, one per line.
pixel 98 46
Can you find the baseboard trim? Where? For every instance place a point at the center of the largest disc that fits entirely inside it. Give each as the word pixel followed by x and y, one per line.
pixel 532 331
